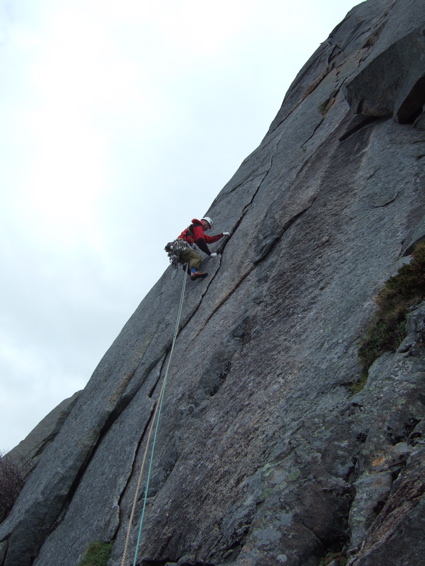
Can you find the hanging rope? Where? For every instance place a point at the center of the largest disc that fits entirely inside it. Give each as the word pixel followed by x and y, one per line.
pixel 154 425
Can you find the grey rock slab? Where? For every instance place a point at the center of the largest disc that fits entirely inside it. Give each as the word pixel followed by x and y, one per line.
pixel 401 518
pixel 263 455
pixel 94 511
pixel 120 374
pixel 30 450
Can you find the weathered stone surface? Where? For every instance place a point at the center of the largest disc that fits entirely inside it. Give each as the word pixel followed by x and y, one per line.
pixel 401 520
pixel 30 450
pixel 263 455
pixel 393 84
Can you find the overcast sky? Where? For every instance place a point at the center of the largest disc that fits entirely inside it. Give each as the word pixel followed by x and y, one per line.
pixel 120 121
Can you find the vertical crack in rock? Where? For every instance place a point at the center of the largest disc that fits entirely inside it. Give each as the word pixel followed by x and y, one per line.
pixel 234 228
pixel 135 468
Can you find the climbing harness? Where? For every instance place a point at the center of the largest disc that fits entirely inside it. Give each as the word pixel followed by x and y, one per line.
pixel 174 250
pixel 153 428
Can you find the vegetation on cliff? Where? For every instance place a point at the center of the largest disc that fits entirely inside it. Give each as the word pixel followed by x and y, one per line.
pixel 97 554
pixel 401 293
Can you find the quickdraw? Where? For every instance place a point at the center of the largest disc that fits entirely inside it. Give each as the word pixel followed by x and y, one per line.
pixel 174 250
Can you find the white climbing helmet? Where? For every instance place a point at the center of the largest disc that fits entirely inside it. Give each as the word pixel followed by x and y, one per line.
pixel 210 222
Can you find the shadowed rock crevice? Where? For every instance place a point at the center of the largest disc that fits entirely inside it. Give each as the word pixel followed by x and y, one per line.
pixel 357 123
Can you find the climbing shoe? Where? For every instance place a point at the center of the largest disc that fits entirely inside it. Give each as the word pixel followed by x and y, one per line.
pixel 198 275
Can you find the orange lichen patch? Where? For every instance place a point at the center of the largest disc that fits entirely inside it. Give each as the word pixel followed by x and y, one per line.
pixel 378 461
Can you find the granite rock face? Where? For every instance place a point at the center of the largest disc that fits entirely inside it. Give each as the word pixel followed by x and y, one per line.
pixel 29 451
pixel 264 456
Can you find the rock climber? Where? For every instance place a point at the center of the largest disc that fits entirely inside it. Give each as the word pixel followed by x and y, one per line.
pixel 196 238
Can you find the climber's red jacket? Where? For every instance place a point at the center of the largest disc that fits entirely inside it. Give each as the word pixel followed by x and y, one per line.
pixel 195 234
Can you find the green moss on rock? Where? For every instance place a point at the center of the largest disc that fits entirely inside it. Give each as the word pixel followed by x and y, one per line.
pixel 401 292
pixel 97 554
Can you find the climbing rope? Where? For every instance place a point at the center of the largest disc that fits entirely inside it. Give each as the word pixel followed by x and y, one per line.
pixel 154 425
pixel 158 412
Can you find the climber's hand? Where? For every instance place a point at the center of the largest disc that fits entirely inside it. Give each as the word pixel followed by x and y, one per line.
pixel 226 233
pixel 213 254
